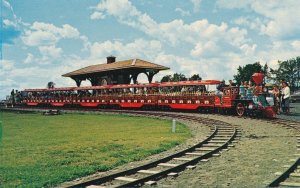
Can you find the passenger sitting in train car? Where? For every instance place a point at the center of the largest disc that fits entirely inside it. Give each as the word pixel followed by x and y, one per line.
pixel 140 91
pixel 220 88
pixel 231 84
pixel 242 90
pixel 183 89
pixel 150 91
pixel 250 90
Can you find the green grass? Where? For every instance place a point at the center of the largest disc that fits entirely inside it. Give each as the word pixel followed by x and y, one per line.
pixel 43 151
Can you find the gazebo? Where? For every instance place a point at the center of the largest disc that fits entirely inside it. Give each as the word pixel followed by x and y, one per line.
pixel 115 72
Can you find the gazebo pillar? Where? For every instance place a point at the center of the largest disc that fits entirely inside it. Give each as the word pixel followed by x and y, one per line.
pixel 93 80
pixel 134 78
pixel 78 81
pixel 150 75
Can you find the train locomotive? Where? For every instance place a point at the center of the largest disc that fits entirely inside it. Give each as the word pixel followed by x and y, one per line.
pixel 182 95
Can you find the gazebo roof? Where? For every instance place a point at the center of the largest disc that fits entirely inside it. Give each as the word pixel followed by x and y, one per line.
pixel 127 64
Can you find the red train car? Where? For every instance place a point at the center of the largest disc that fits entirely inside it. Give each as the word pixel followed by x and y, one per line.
pixel 184 95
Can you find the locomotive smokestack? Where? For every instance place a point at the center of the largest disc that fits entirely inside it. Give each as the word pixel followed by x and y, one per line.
pixel 111 59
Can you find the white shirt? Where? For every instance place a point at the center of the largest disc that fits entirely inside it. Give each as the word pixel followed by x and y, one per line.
pixel 286 92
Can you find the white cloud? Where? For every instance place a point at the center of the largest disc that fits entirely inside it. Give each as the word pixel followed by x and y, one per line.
pixel 9 23
pixel 231 4
pixel 175 31
pixel 47 34
pixel 49 52
pixel 196 4
pixel 182 12
pixel 203 49
pixel 8 83
pixel 97 15
pixel 6 64
pixel 296 44
pixel 135 49
pixel 282 17
pixel 29 59
pixel 275 51
pixel 248 49
pixel 253 23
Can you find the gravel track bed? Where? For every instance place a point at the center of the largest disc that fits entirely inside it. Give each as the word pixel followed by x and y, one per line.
pixel 294 113
pixel 199 132
pixel 262 150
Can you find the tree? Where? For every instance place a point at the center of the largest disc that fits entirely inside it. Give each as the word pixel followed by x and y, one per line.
pixel 179 77
pixel 288 71
pixel 176 77
pixel 50 85
pixel 195 77
pixel 166 78
pixel 245 73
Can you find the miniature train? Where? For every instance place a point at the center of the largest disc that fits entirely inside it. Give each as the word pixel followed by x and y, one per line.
pixel 182 95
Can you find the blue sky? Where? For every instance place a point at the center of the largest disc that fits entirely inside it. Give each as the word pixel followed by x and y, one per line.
pixel 43 39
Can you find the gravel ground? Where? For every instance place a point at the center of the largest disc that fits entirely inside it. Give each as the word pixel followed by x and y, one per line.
pixel 262 150
pixel 294 113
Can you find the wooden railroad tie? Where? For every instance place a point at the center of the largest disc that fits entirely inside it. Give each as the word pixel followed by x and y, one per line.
pixel 195 153
pixel 204 149
pixel 216 141
pixel 95 186
pixel 290 184
pixel 191 167
pixel 148 172
pixel 150 183
pixel 122 178
pixel 295 174
pixel 167 164
pixel 183 159
pixel 173 174
pixel 212 145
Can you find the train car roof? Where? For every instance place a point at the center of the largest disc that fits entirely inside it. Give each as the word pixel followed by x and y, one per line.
pixel 92 87
pixel 35 90
pixel 61 89
pixel 134 85
pixel 190 83
pixel 51 89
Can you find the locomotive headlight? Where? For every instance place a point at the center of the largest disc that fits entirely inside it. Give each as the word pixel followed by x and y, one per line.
pixel 250 106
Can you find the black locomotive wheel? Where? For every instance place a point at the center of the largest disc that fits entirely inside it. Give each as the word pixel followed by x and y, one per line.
pixel 240 109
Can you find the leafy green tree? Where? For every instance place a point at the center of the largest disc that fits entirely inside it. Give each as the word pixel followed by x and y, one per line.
pixel 179 77
pixel 166 78
pixel 50 85
pixel 195 77
pixel 288 71
pixel 245 73
pixel 174 78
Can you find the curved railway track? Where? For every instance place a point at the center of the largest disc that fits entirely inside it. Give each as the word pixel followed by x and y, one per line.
pixel 291 176
pixel 222 135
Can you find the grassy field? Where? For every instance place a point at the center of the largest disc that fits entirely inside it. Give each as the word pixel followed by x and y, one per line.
pixel 43 151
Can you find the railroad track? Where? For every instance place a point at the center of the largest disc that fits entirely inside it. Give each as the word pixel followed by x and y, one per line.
pixel 222 135
pixel 291 176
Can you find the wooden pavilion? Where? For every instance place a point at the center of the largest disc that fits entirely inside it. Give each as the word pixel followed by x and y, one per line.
pixel 115 72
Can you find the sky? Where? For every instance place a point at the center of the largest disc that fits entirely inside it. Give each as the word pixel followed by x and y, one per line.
pixel 43 39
